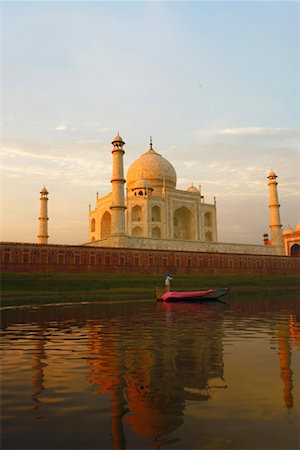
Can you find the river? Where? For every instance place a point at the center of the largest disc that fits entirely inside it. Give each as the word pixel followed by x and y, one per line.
pixel 147 375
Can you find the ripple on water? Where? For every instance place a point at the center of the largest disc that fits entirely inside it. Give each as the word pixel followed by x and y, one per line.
pixel 149 373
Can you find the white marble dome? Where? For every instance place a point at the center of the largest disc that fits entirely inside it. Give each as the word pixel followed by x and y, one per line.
pixel 153 167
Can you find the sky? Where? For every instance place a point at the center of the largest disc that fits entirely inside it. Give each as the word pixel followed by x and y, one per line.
pixel 216 85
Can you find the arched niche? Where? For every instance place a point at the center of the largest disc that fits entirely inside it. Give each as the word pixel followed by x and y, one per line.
pixel 184 224
pixel 106 225
pixel 137 231
pixel 136 214
pixel 207 219
pixel 93 225
pixel 156 214
pixel 156 233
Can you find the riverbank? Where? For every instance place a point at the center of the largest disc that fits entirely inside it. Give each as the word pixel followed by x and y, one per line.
pixel 40 288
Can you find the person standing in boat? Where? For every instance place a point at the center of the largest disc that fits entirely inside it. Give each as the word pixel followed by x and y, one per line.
pixel 168 279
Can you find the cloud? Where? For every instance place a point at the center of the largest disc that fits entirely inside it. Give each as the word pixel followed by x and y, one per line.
pixel 259 131
pixel 190 164
pixel 54 149
pixel 72 162
pixel 103 130
pixel 64 128
pixel 88 141
pixel 12 152
pixel 28 170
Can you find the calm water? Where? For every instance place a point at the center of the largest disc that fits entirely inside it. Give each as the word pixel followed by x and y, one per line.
pixel 143 375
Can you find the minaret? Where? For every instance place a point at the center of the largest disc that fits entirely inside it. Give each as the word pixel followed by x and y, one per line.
pixel 275 225
pixel 117 182
pixel 42 237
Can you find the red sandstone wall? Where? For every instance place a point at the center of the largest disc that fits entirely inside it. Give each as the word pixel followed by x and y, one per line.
pixel 20 257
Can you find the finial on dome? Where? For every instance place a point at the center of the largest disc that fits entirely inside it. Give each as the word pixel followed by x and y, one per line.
pixel 151 143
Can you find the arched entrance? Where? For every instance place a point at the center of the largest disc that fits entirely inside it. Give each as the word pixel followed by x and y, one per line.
pixel 184 224
pixel 295 250
pixel 106 225
pixel 137 231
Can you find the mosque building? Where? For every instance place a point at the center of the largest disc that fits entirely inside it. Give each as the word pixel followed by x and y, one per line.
pixel 153 207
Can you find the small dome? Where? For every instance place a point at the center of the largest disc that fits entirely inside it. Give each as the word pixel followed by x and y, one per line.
pixel 118 139
pixel 153 167
pixel 272 174
pixel 44 191
pixel 193 189
pixel 288 230
pixel 297 227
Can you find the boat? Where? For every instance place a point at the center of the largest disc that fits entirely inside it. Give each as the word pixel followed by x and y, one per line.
pixel 207 295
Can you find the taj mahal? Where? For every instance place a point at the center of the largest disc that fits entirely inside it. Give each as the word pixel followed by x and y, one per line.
pixel 152 207
pixel 151 213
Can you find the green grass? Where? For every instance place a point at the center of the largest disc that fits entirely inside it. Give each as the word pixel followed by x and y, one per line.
pixel 29 288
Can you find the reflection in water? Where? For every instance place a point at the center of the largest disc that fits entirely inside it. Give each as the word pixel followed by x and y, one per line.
pixel 161 380
pixel 155 373
pixel 287 331
pixel 106 361
pixel 39 355
pixel 153 361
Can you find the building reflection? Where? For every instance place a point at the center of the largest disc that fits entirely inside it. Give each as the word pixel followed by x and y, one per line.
pixel 151 380
pixel 106 363
pixel 38 377
pixel 150 383
pixel 286 332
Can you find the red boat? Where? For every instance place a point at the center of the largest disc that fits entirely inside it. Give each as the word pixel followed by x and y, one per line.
pixel 192 296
